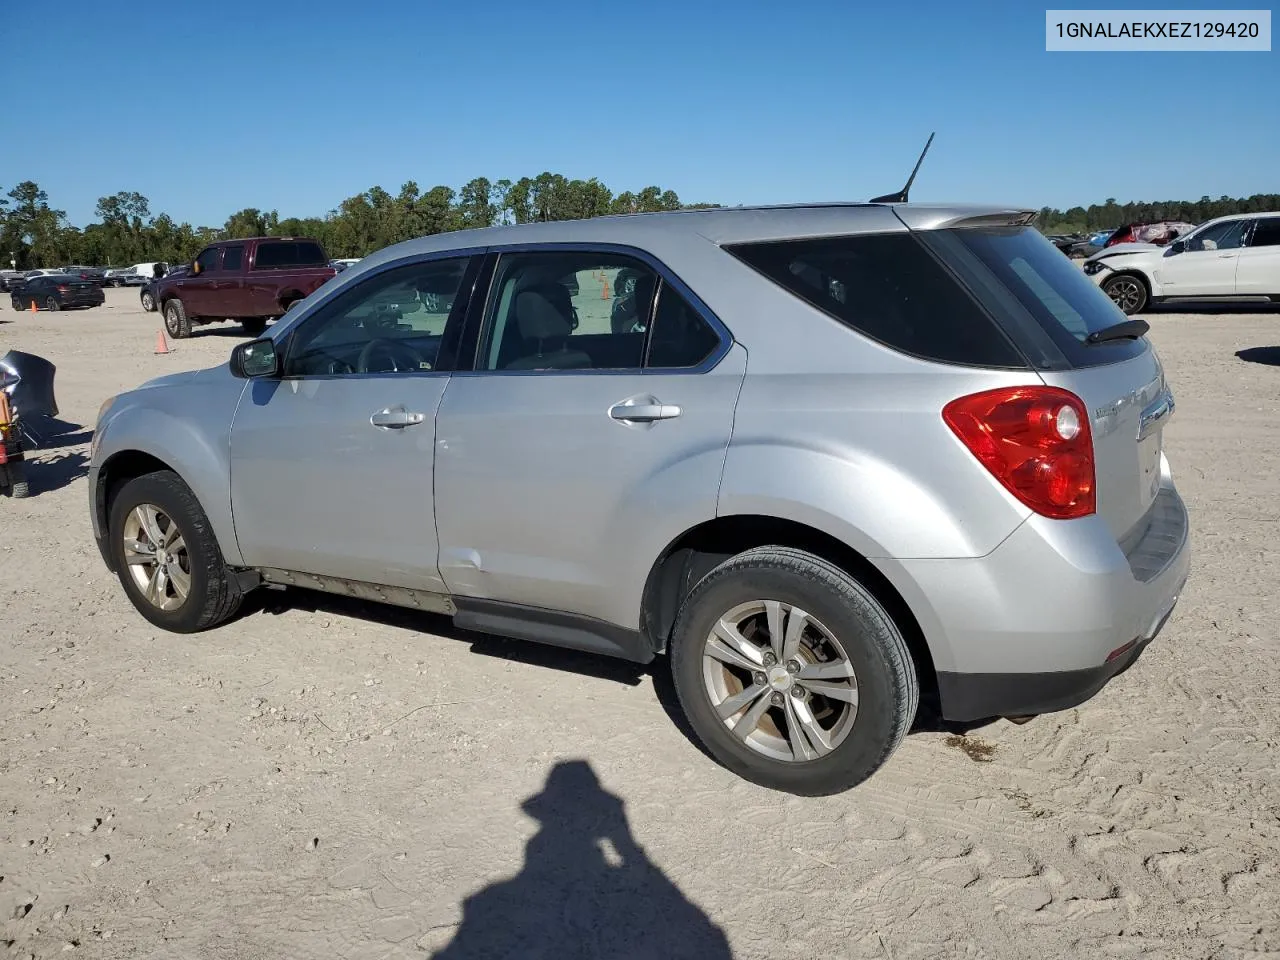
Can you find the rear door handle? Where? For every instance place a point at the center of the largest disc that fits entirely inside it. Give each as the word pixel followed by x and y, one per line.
pixel 644 412
pixel 399 417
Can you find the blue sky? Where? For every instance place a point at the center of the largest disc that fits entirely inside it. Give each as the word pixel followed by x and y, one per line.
pixel 206 108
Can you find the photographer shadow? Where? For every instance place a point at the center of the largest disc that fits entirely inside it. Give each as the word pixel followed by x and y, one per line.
pixel 587 889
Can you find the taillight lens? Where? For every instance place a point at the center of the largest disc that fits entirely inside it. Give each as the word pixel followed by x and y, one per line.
pixel 64 289
pixel 1035 441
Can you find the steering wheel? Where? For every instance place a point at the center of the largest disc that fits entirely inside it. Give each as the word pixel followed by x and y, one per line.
pixel 401 355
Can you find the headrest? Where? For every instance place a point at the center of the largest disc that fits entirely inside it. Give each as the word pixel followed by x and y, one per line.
pixel 540 316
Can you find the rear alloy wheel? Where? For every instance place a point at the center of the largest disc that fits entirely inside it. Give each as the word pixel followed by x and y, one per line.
pixel 176 320
pixel 148 301
pixel 791 673
pixel 167 557
pixel 52 304
pixel 1128 292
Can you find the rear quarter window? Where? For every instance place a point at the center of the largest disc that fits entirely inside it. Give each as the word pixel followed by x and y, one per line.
pixel 890 288
pixel 1041 296
pixel 278 254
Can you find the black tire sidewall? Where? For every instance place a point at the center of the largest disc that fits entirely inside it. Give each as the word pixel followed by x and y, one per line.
pixel 144 298
pixel 164 490
pixel 180 328
pixel 863 629
pixel 52 305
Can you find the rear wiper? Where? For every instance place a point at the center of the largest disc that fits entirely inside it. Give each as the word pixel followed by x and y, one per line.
pixel 1128 330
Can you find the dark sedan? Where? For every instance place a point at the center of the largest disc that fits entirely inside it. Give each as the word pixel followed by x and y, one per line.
pixel 57 292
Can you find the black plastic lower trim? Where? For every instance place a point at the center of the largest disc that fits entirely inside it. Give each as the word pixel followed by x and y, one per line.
pixel 552 627
pixel 978 696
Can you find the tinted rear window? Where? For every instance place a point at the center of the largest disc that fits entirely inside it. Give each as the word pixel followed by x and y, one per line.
pixel 890 288
pixel 1026 281
pixel 289 253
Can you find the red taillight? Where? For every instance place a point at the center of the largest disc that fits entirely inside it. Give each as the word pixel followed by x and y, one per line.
pixel 64 289
pixel 1035 441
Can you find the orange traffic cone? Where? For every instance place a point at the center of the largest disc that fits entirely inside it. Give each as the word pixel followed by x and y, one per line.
pixel 604 291
pixel 33 304
pixel 161 345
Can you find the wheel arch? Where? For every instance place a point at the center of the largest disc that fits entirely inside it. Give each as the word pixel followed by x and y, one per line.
pixel 173 447
pixel 1132 271
pixel 288 297
pixel 693 555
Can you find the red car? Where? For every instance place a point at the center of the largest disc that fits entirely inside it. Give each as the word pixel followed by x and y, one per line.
pixel 253 280
pixel 1160 233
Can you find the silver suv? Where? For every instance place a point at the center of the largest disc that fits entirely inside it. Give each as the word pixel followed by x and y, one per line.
pixel 829 460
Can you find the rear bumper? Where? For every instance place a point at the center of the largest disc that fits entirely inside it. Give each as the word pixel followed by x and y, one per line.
pixel 1039 624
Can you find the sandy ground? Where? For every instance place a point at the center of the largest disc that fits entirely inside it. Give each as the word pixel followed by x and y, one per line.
pixel 320 779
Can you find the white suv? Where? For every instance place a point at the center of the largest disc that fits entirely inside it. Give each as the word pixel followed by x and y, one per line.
pixel 1235 259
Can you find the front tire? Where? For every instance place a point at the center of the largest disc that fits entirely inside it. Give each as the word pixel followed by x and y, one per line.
pixel 1128 292
pixel 167 557
pixel 148 301
pixel 791 672
pixel 176 320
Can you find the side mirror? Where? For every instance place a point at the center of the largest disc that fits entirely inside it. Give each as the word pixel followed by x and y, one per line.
pixel 255 359
pixel 1177 246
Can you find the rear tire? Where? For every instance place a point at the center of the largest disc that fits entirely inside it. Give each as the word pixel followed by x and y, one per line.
pixel 1128 292
pixel 867 671
pixel 176 320
pixel 52 305
pixel 213 594
pixel 253 326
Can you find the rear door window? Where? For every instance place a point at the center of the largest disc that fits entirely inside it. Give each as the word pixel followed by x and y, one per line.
pixel 1266 233
pixel 891 288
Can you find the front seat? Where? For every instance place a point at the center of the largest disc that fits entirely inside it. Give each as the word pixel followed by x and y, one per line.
pixel 544 317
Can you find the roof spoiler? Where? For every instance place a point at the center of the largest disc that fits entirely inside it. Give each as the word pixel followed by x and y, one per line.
pixel 901 195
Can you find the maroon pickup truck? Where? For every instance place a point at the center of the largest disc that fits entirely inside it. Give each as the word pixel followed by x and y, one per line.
pixel 253 280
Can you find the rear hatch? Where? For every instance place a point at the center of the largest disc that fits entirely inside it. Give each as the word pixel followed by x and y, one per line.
pixel 1050 309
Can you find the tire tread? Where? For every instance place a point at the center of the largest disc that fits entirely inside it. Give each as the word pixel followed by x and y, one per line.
pixel 890 642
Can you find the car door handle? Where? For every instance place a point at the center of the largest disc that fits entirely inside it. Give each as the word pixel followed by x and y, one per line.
pixel 644 412
pixel 395 418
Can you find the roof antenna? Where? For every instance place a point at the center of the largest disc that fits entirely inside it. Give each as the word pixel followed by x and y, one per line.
pixel 901 196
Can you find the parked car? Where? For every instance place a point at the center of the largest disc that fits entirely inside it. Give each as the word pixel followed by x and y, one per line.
pixel 11 279
pixel 253 280
pixel 95 275
pixel 147 295
pixel 828 476
pixel 1228 259
pixel 1160 233
pixel 57 292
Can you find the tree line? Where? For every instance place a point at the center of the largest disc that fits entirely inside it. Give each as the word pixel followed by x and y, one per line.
pixel 35 234
pixel 1103 216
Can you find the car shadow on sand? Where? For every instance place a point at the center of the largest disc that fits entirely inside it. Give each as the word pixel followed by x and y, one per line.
pixel 1269 356
pixel 277 602
pixel 587 888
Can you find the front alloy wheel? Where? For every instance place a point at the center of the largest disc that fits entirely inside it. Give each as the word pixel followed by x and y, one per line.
pixel 1127 292
pixel 156 554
